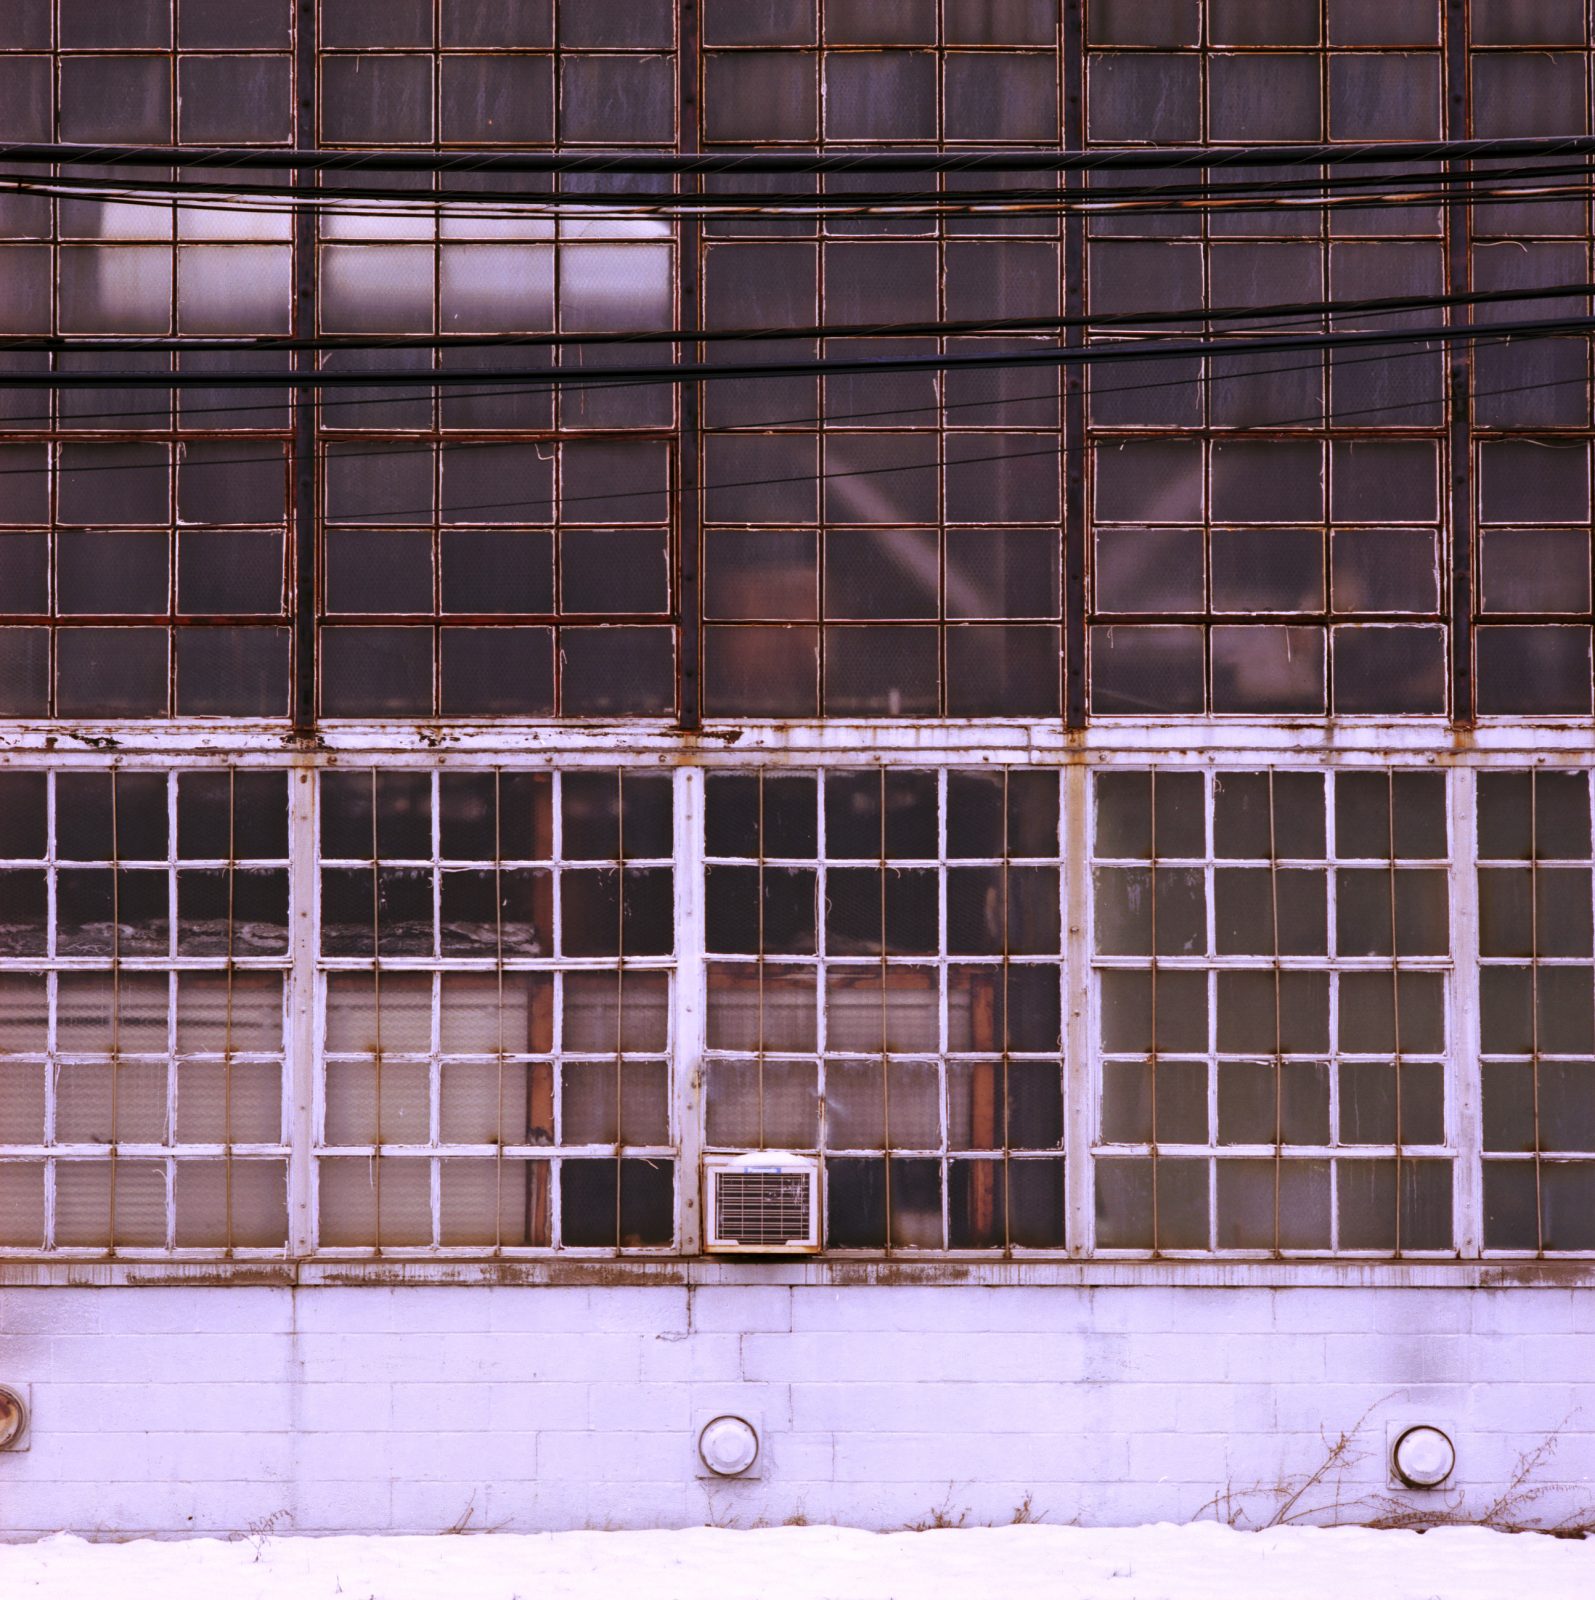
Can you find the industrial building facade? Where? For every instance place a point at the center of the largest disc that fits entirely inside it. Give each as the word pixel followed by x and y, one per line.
pixel 1079 740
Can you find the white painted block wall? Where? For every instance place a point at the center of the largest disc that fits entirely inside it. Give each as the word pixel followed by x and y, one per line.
pixel 180 1410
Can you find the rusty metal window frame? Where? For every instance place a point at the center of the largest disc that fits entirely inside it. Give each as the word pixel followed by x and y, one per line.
pixel 817 47
pixel 1324 628
pixel 556 47
pixel 166 243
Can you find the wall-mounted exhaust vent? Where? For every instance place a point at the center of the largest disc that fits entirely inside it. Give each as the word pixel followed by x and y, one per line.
pixel 764 1202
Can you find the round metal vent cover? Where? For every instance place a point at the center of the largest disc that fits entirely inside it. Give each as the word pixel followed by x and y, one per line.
pixel 1424 1457
pixel 13 1417
pixel 729 1446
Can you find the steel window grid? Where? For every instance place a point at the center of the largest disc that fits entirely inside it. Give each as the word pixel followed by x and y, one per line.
pixel 942 1054
pixel 821 49
pixel 1547 1151
pixel 957 748
pixel 436 968
pixel 1337 1153
pixel 171 1153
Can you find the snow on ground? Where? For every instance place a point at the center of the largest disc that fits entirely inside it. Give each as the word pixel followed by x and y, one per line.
pixel 1152 1563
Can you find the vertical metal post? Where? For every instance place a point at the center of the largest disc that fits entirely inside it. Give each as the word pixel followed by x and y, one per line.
pixel 300 1057
pixel 1463 1091
pixel 1080 1103
pixel 1460 362
pixel 304 404
pixel 1074 399
pixel 687 1031
pixel 689 240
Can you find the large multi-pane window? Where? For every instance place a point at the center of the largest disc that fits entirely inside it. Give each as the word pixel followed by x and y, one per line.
pixel 882 545
pixel 443 871
pixel 495 949
pixel 143 563
pixel 883 986
pixel 1243 1007
pixel 144 947
pixel 1268 533
pixel 1272 953
pixel 1536 1024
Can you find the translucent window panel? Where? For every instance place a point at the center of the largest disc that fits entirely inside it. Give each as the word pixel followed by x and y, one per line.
pixel 876 1043
pixel 234 288
pixel 496 99
pixel 115 289
pixel 614 98
pixel 235 99
pixel 377 99
pixel 122 99
pixel 1250 1064
pixel 1146 96
pixel 760 96
pixel 1523 94
pixel 235 25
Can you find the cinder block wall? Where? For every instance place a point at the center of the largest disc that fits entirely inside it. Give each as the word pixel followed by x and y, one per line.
pixel 215 1410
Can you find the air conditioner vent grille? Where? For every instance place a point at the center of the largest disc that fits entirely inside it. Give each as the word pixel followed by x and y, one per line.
pixel 762 1208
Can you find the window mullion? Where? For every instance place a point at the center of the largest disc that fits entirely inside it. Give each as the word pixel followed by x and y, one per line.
pixel 1463 1018
pixel 302 1051
pixel 688 999
pixel 1079 1058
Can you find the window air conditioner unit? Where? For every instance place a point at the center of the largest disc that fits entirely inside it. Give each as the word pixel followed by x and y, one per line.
pixel 763 1203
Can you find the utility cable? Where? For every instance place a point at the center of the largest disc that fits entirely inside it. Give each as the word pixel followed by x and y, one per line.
pixel 710 372
pixel 268 198
pixel 1012 159
pixel 1389 305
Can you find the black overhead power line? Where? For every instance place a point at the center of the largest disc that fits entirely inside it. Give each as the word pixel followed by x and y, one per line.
pixel 1389 305
pixel 1334 186
pixel 1204 375
pixel 709 372
pixel 1115 158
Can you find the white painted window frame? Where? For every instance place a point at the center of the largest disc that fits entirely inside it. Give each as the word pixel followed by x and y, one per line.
pixel 1218 743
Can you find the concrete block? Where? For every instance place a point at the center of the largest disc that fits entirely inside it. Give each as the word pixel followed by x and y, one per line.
pixel 442 1407
pixel 1315 1310
pixel 761 1309
pixel 192 1407
pixel 170 1358
pixel 1525 1309
pixel 1202 1458
pixel 531 1407
pixel 438 1507
pixel 335 1505
pixel 42 1311
pixel 1262 1356
pixel 462 1457
pixel 648 1310
pixel 904 1457
pixel 1423 1311
pixel 350 1457
pixel 691 1358
pixel 862 1357
pixel 620 1408
pixel 344 1407
pixel 604 1458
